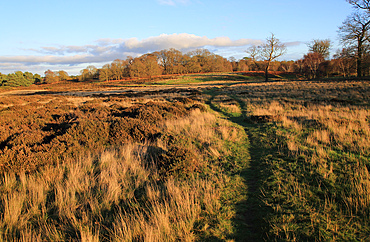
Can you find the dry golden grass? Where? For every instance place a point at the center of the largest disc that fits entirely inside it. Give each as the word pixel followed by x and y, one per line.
pixel 78 101
pixel 197 126
pixel 117 193
pixel 228 132
pixel 341 127
pixel 230 108
pixel 193 126
pixel 321 131
pixel 84 189
pixel 316 181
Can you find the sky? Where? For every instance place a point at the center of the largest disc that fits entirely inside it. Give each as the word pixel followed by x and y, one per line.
pixel 70 35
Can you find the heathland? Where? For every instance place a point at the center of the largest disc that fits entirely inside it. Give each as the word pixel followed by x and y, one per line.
pixel 205 157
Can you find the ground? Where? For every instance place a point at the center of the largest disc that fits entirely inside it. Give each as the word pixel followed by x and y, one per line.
pixel 198 157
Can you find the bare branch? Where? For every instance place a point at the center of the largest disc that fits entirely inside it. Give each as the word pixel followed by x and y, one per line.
pixel 253 52
pixel 268 52
pixel 360 4
pixel 321 47
pixel 354 34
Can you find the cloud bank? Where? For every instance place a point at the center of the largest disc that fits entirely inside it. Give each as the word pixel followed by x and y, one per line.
pixel 107 50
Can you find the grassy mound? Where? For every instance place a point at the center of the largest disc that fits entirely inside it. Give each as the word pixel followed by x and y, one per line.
pixel 112 170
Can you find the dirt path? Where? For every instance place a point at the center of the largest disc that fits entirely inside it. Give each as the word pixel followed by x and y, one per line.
pixel 251 225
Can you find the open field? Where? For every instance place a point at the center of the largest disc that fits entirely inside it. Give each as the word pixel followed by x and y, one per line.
pixel 310 146
pixel 217 157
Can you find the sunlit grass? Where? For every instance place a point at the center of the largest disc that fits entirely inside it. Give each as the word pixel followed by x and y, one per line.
pixel 121 193
pixel 181 80
pixel 317 182
pixel 194 179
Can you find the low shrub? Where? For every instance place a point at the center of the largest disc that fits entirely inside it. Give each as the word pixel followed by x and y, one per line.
pixel 124 130
pixel 38 131
pixel 180 161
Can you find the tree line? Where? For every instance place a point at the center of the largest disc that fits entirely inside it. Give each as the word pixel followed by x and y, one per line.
pixel 352 59
pixel 171 61
pixel 165 62
pixel 19 79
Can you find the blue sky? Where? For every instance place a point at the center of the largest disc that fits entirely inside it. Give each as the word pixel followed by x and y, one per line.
pixel 72 34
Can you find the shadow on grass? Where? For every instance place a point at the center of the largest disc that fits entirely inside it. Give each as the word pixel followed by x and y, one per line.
pixel 250 222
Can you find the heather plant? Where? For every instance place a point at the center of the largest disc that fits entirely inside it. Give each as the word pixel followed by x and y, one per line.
pixel 35 133
pixel 99 170
pixel 282 161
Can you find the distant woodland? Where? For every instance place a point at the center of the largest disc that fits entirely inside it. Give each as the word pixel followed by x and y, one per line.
pixel 352 60
pixel 172 61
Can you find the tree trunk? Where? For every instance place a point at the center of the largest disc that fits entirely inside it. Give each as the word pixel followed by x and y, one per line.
pixel 267 72
pixel 359 67
pixel 359 58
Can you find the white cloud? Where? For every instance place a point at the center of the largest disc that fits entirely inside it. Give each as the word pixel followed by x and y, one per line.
pixel 107 50
pixel 293 44
pixel 181 41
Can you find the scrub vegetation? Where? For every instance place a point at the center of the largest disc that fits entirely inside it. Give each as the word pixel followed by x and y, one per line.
pixel 311 142
pixel 170 146
pixel 216 157
pixel 116 169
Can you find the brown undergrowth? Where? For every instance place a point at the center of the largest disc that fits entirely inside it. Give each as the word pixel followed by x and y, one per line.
pixel 35 133
pixel 112 169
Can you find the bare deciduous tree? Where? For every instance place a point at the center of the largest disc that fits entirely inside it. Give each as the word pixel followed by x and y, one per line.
pixel 360 4
pixel 267 52
pixel 344 62
pixel 354 34
pixel 253 52
pixel 311 63
pixel 321 47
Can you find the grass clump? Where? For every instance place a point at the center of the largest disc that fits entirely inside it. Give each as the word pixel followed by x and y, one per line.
pixel 116 172
pixel 276 161
pixel 315 159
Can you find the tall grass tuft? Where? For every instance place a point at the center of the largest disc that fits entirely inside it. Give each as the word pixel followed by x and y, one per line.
pixel 118 194
pixel 318 183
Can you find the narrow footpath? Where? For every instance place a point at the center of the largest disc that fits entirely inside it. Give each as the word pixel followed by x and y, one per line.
pixel 251 214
